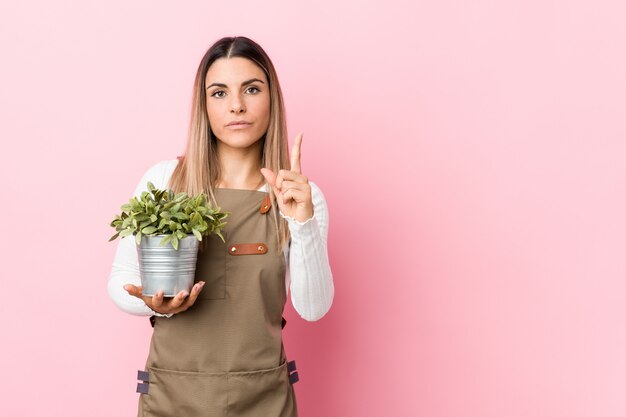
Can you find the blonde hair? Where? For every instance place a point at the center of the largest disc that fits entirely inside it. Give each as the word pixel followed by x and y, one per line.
pixel 198 169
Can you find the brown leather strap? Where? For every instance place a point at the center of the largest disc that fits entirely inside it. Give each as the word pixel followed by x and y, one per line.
pixel 265 204
pixel 247 249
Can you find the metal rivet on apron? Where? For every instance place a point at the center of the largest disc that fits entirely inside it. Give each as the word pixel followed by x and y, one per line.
pixel 233 249
pixel 260 248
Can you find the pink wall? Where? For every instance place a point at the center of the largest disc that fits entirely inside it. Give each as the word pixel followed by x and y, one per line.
pixel 472 156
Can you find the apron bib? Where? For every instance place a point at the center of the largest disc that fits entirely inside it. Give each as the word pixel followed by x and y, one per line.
pixel 224 356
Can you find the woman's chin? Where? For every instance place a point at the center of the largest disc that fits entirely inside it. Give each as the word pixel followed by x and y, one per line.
pixel 240 140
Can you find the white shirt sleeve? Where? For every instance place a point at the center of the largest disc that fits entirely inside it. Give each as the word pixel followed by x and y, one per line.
pixel 309 276
pixel 125 268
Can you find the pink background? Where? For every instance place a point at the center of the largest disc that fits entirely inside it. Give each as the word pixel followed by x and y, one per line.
pixel 471 153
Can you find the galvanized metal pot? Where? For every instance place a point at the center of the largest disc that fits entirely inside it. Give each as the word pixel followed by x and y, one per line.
pixel 165 268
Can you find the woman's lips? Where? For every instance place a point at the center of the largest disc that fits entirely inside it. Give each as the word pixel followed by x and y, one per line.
pixel 239 126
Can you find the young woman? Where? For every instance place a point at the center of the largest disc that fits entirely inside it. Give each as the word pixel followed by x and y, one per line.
pixel 218 350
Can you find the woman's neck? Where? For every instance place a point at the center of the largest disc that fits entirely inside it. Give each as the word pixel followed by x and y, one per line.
pixel 240 168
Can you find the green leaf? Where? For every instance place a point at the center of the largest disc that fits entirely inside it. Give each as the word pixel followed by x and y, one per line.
pixel 148 230
pixel 165 240
pixel 180 216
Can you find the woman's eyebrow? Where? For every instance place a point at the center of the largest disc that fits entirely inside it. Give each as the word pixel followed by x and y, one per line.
pixel 250 81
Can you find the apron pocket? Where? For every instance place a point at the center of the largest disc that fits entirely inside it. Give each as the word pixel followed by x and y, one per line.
pixel 185 394
pixel 264 392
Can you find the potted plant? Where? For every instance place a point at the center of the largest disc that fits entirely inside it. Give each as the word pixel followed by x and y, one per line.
pixel 168 228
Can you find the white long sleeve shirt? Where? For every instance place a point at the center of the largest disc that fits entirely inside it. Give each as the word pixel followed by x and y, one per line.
pixel 308 276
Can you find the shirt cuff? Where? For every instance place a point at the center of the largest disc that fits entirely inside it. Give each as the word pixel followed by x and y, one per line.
pixel 156 313
pixel 296 224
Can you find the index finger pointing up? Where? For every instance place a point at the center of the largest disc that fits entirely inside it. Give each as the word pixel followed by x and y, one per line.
pixel 295 154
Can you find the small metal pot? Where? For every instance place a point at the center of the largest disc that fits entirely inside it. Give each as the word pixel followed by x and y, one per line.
pixel 165 268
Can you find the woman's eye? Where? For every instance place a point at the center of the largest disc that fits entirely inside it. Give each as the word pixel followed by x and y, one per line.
pixel 220 91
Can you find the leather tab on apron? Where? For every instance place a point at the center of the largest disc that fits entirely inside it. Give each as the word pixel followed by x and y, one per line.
pixel 247 249
pixel 293 378
pixel 142 388
pixel 152 319
pixel 143 376
pixel 282 325
pixel 265 204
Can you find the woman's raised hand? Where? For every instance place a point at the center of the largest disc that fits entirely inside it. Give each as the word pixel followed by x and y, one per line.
pixel 292 189
pixel 181 302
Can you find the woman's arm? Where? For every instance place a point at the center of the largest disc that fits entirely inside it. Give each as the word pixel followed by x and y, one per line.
pixel 309 276
pixel 125 268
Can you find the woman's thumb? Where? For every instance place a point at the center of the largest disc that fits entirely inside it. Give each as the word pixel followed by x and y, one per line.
pixel 130 288
pixel 270 177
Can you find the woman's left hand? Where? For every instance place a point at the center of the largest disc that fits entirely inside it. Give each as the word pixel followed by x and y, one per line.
pixel 292 189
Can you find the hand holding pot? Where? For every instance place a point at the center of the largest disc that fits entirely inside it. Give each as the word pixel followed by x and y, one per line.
pixel 181 302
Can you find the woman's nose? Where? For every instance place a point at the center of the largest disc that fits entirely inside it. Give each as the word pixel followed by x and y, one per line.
pixel 237 105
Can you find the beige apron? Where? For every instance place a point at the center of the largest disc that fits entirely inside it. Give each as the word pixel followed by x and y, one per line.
pixel 224 356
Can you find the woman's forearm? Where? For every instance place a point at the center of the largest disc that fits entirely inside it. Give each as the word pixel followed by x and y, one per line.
pixel 310 276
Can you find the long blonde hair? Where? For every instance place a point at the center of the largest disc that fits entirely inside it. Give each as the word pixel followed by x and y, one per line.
pixel 198 169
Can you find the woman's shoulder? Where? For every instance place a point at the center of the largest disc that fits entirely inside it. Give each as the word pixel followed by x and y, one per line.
pixel 162 168
pixel 158 174
pixel 164 165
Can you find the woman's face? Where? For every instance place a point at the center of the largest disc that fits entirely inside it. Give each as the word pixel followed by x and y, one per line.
pixel 237 90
